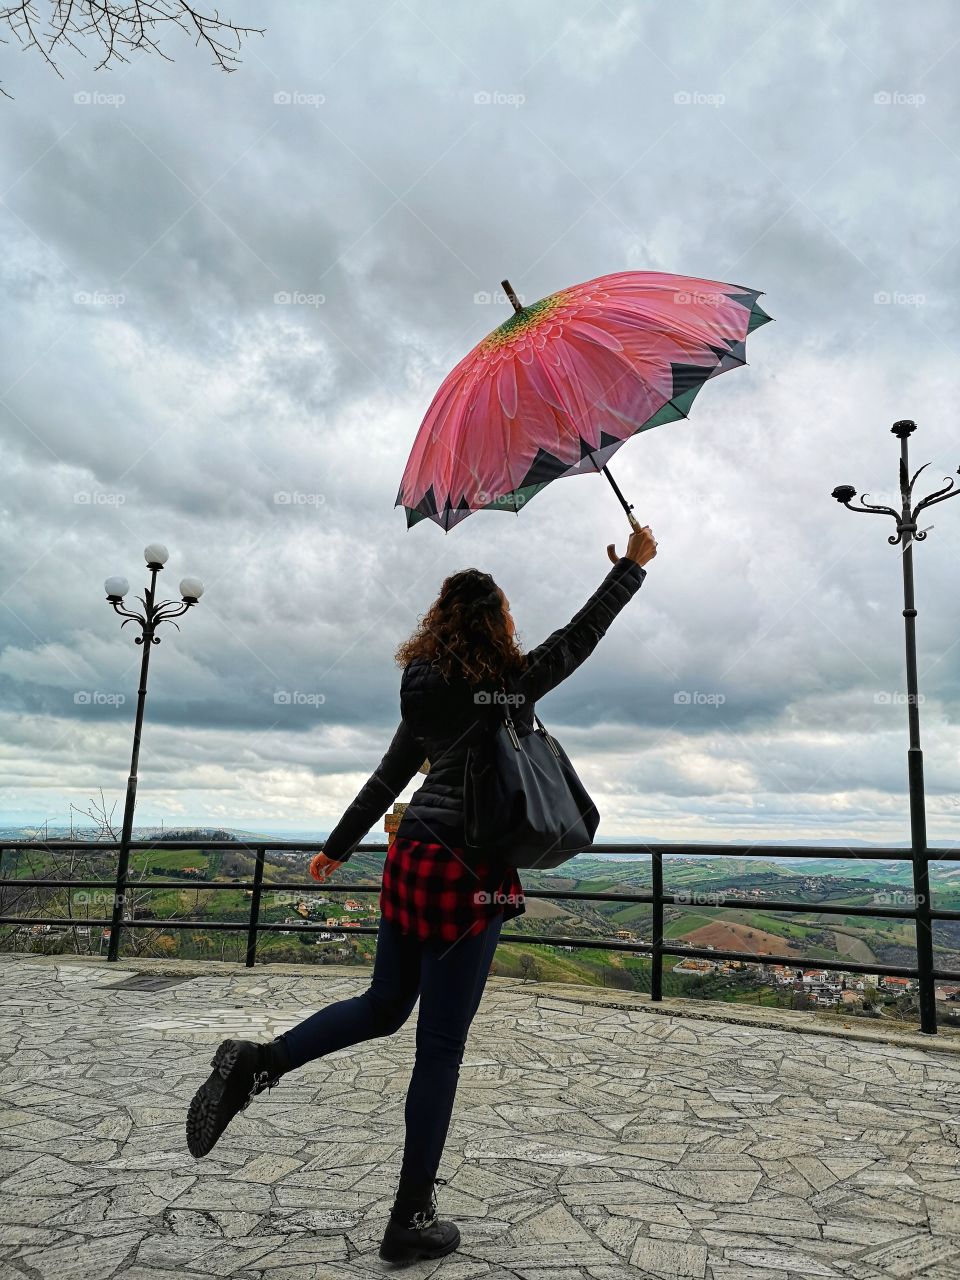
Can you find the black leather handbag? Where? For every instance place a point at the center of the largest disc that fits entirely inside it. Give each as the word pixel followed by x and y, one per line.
pixel 524 805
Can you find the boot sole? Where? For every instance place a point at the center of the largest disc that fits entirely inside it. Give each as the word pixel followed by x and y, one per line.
pixel 204 1126
pixel 403 1257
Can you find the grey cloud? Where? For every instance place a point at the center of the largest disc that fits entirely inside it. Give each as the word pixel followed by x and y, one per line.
pixel 184 410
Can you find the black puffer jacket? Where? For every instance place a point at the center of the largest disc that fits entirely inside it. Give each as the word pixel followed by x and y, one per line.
pixel 440 719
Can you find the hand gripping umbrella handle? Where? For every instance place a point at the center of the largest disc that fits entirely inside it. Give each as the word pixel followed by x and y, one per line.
pixel 611 549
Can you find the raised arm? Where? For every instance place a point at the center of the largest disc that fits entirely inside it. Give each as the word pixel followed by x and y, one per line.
pixel 567 647
pixel 403 758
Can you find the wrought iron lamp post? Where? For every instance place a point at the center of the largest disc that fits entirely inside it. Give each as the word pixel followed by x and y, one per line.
pixel 907 533
pixel 154 612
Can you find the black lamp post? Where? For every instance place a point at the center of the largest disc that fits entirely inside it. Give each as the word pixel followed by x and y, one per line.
pixel 907 532
pixel 154 612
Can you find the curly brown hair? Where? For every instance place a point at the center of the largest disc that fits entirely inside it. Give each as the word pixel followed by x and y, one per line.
pixel 464 633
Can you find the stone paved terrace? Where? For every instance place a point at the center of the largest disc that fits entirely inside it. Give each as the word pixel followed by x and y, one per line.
pixel 593 1138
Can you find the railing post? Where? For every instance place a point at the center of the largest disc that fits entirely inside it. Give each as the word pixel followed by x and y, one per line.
pixel 255 908
pixel 656 969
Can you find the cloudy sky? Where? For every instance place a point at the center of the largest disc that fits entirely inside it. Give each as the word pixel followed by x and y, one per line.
pixel 386 165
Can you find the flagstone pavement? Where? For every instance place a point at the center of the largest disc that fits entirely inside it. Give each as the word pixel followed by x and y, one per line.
pixel 588 1140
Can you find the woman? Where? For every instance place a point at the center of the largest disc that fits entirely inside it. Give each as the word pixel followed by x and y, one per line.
pixel 441 910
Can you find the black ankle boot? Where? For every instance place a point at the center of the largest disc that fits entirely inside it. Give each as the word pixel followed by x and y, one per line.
pixel 414 1231
pixel 241 1070
pixel 278 1057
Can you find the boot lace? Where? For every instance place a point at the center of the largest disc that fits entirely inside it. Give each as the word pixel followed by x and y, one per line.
pixel 427 1217
pixel 261 1081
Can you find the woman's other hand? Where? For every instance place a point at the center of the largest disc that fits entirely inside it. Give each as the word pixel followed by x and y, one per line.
pixel 322 867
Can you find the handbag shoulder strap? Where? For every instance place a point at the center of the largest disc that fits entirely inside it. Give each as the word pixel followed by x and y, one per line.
pixel 511 729
pixel 508 718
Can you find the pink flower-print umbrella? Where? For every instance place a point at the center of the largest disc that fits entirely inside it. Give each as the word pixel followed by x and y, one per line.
pixel 557 389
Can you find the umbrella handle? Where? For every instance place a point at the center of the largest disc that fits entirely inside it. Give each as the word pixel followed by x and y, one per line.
pixel 611 549
pixel 628 508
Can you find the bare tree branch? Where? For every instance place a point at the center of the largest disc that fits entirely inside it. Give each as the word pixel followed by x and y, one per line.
pixel 116 28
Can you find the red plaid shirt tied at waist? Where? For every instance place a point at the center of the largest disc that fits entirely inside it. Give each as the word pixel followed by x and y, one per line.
pixel 431 890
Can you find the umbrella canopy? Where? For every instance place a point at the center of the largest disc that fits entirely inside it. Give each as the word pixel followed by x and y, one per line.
pixel 555 390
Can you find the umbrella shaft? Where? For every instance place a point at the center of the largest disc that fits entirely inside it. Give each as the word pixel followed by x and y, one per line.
pixel 508 290
pixel 627 506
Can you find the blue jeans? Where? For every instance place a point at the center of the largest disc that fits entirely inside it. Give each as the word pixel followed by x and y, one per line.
pixel 449 978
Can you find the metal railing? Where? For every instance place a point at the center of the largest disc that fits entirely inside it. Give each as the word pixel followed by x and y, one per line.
pixel 921 913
